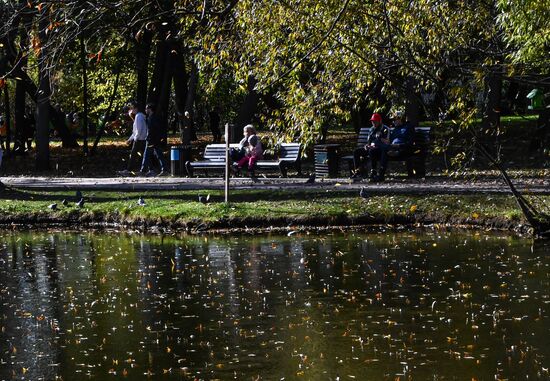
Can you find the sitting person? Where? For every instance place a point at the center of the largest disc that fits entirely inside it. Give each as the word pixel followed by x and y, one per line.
pixel 253 150
pixel 401 138
pixel 375 149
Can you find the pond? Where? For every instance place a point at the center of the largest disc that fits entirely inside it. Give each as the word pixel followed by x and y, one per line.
pixel 363 306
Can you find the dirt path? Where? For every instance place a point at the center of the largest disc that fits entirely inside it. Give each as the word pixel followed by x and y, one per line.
pixel 430 185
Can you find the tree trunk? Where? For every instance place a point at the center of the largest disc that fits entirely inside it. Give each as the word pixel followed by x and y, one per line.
pixel 491 115
pixel 143 52
pixel 190 100
pixel 84 93
pixel 158 72
pixel 180 89
pixel 413 106
pixel 19 117
pixel 43 98
pixel 249 107
pixel 163 100
pixel 8 117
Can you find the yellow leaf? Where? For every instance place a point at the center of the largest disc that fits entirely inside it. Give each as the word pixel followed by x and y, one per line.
pixel 475 215
pixel 413 208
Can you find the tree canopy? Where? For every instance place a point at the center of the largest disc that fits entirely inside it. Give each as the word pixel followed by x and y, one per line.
pixel 306 62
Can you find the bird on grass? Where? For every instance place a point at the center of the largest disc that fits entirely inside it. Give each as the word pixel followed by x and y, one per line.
pixel 65 202
pixel 204 199
pixel 141 201
pixel 80 203
pixel 311 179
pixel 364 193
pixel 53 206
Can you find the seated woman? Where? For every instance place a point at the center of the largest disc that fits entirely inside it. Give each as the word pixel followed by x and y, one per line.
pixel 253 150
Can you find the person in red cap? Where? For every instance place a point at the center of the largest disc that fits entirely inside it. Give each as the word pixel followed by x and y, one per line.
pixel 377 145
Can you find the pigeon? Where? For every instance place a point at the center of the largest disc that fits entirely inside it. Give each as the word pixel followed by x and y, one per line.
pixel 363 193
pixel 65 202
pixel 53 206
pixel 78 195
pixel 203 199
pixel 141 201
pixel 80 203
pixel 311 179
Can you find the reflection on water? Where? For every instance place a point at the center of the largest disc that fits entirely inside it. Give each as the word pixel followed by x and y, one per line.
pixel 354 306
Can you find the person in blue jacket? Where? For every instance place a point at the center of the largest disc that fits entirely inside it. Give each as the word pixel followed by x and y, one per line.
pixel 401 145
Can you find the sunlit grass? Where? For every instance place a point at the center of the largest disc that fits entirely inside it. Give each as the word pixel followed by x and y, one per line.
pixel 183 206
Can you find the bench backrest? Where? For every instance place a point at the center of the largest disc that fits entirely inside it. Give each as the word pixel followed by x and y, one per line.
pixel 421 136
pixel 216 152
pixel 289 151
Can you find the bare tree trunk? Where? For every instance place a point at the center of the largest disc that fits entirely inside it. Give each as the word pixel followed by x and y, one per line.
pixel 158 72
pixel 180 89
pixel 19 114
pixel 84 93
pixel 412 106
pixel 539 221
pixel 8 117
pixel 249 107
pixel 491 115
pixel 190 100
pixel 43 98
pixel 143 52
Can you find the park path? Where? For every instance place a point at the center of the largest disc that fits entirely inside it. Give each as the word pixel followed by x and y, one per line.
pixel 430 185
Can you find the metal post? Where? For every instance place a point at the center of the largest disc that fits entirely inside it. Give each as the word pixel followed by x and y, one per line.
pixel 227 138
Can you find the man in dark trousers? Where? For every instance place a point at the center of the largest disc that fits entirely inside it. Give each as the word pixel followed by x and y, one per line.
pixel 377 145
pixel 154 143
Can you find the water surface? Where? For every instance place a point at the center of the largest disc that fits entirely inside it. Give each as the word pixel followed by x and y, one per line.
pixel 384 306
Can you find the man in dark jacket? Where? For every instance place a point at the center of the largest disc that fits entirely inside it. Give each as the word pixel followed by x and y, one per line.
pixel 375 149
pixel 154 143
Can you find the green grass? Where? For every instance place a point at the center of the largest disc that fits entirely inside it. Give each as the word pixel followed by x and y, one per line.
pixel 183 207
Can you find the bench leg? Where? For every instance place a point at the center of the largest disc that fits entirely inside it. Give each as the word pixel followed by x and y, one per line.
pixel 299 167
pixel 351 167
pixel 420 169
pixel 411 172
pixel 282 167
pixel 416 168
pixel 189 168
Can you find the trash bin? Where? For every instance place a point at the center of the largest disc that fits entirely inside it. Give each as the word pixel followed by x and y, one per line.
pixel 178 156
pixel 326 160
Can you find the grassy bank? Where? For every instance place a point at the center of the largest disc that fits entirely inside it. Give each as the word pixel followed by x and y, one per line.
pixel 177 210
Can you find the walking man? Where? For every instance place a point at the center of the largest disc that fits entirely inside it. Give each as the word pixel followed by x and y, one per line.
pixel 154 143
pixel 138 138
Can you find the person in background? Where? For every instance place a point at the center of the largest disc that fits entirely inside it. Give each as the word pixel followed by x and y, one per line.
pixel 154 143
pixel 253 150
pixel 374 150
pixel 137 139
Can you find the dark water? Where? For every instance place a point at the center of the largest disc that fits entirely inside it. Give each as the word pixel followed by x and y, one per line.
pixel 431 306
